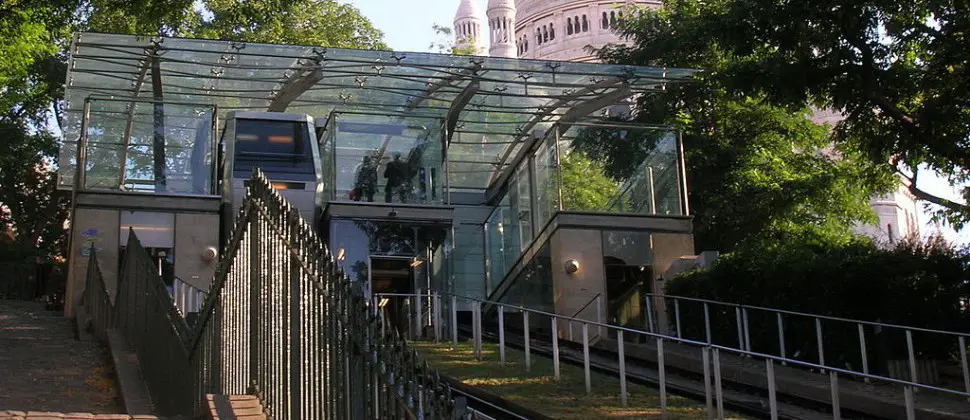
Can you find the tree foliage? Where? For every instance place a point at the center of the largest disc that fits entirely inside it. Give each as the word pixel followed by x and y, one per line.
pixel 758 173
pixel 445 44
pixel 898 71
pixel 34 37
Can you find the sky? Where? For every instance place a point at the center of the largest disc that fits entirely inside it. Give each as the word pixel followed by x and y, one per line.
pixel 407 26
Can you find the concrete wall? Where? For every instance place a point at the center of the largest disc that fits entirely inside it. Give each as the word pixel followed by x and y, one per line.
pixel 194 233
pixel 572 291
pixel 667 248
pixel 98 228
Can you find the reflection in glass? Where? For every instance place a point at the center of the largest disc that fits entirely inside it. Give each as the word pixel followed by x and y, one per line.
pixel 532 288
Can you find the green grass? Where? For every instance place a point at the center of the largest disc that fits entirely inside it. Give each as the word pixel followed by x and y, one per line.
pixel 538 391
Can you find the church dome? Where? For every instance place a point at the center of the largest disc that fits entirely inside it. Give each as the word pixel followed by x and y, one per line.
pixel 467 9
pixel 501 4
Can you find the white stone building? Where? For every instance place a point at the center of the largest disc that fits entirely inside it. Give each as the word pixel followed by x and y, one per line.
pixel 562 30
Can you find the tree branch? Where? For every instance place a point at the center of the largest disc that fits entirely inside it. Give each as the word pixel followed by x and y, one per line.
pixel 925 196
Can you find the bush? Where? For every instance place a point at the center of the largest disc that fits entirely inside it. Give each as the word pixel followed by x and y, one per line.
pixel 919 284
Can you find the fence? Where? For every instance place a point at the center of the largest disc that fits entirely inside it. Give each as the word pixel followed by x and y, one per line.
pixel 534 324
pixel 897 351
pixel 280 321
pixel 28 280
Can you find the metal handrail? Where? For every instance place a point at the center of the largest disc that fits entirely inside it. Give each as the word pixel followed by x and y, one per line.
pixel 587 305
pixel 833 372
pixel 805 314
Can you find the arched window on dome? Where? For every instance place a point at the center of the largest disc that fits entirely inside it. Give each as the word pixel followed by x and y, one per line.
pixel 606 21
pixel 545 33
pixel 538 36
pixel 569 26
pixel 612 20
pixel 585 24
pixel 552 31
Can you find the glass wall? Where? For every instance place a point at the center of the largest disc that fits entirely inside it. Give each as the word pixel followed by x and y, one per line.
pixel 621 170
pixel 469 262
pixel 391 162
pixel 532 288
pixel 142 146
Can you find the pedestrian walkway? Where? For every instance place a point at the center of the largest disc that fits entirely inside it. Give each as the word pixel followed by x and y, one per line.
pixel 43 367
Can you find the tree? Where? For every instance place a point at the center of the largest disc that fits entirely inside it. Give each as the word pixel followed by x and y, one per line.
pixel 758 174
pixel 896 70
pixel 585 187
pixel 445 44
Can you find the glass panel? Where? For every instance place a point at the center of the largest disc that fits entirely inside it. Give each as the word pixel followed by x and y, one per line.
pixel 497 264
pixel 274 146
pixel 395 162
pixel 510 232
pixel 523 201
pixel 533 286
pixel 547 182
pixel 181 165
pixel 469 266
pixel 620 169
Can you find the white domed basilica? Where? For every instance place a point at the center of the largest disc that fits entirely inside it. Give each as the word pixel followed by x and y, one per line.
pixel 542 29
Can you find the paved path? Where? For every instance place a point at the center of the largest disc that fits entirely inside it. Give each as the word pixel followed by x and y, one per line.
pixel 44 368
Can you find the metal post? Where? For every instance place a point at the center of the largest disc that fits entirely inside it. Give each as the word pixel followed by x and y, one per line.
pixel 677 316
pixel 622 363
pixel 821 346
pixel 418 322
pixel 555 349
pixel 834 386
pixel 718 391
pixel 653 193
pixel 781 337
pixel 708 397
pixel 772 398
pixel 707 323
pixel 436 316
pixel 662 376
pixel 910 403
pixel 528 345
pixel 501 335
pixel 862 352
pixel 912 357
pixel 454 321
pixel 599 314
pixel 569 335
pixel 747 330
pixel 649 313
pixel 737 315
pixel 477 328
pixel 589 385
pixel 963 362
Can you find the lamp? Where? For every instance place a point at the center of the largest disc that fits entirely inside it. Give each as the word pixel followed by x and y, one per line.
pixel 572 266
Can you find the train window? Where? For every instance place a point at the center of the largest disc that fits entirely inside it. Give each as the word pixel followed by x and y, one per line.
pixel 274 146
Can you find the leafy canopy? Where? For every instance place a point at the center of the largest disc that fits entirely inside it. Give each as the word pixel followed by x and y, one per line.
pixel 897 70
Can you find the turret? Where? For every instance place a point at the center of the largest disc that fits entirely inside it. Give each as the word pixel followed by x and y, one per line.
pixel 501 24
pixel 468 27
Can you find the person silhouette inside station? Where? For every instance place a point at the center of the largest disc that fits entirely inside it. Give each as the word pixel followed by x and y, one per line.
pixel 396 174
pixel 365 184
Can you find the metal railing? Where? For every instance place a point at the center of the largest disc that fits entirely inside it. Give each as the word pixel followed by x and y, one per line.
pixel 187 298
pixel 281 321
pixel 598 300
pixel 714 393
pixel 772 335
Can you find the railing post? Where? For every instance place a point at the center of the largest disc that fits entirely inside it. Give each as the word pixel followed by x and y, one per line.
pixel 501 335
pixel 737 315
pixel 418 310
pixel 772 398
pixel 781 337
pixel 707 323
pixel 863 352
pixel 834 386
pixel 910 403
pixel 599 315
pixel 649 312
pixel 821 344
pixel 528 344
pixel 912 357
pixel 622 365
pixel 255 286
pixel 295 322
pixel 555 349
pixel 454 321
pixel 747 330
pixel 436 316
pixel 708 397
pixel 477 328
pixel 677 316
pixel 963 363
pixel 718 390
pixel 661 371
pixel 589 385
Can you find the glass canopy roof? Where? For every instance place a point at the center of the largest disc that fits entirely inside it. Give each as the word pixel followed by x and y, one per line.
pixel 480 103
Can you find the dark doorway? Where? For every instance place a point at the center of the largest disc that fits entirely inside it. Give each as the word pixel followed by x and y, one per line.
pixel 625 288
pixel 393 275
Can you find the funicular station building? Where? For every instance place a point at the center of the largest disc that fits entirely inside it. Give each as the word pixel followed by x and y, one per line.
pixel 493 178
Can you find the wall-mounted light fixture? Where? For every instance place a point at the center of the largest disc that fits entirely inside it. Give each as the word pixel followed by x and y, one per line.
pixel 572 266
pixel 210 254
